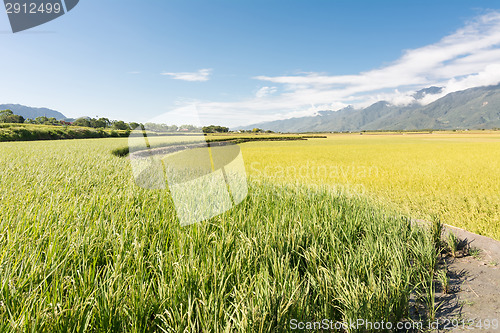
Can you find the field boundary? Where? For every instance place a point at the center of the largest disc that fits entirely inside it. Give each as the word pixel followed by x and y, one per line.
pixel 124 151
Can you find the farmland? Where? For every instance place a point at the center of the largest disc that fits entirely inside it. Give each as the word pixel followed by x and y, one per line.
pixel 324 233
pixel 445 175
pixel 83 248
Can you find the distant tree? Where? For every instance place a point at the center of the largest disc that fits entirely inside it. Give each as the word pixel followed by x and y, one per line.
pixel 99 123
pixel 52 121
pixel 172 128
pixel 215 129
pixel 188 128
pixel 105 121
pixel 41 120
pixel 157 127
pixel 120 125
pixel 7 116
pixel 256 130
pixel 222 129
pixel 207 129
pixel 17 119
pixel 133 125
pixel 151 127
pixel 84 122
pixel 6 113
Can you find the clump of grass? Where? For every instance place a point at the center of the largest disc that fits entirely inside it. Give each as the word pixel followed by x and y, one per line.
pixel 444 280
pixel 121 151
pixel 475 253
pixel 452 244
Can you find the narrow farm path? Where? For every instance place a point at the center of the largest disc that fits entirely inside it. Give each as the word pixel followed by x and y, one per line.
pixel 473 300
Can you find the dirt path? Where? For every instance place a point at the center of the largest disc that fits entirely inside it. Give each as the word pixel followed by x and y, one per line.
pixel 473 302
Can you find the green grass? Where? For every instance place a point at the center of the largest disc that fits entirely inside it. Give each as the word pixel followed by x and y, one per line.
pixel 82 248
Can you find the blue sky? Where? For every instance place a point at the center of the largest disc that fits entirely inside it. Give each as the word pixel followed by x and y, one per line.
pixel 239 62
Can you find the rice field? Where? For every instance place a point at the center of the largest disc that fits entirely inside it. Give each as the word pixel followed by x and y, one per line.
pixel 449 176
pixel 83 249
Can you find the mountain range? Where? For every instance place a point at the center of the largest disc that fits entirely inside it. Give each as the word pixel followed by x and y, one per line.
pixel 474 108
pixel 32 113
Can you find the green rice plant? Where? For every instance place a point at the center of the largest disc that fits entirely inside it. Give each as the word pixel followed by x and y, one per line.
pixel 437 231
pixel 427 257
pixel 82 248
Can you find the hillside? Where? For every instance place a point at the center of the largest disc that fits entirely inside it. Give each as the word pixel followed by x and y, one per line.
pixel 30 132
pixel 473 108
pixel 32 113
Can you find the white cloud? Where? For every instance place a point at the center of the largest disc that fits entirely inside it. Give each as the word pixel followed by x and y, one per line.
pixel 265 91
pixel 489 76
pixel 200 75
pixel 468 58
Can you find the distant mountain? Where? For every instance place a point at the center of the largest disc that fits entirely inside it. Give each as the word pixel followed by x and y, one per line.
pixel 427 91
pixel 32 113
pixel 473 108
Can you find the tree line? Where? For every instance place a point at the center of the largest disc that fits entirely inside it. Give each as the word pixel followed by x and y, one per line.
pixel 7 116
